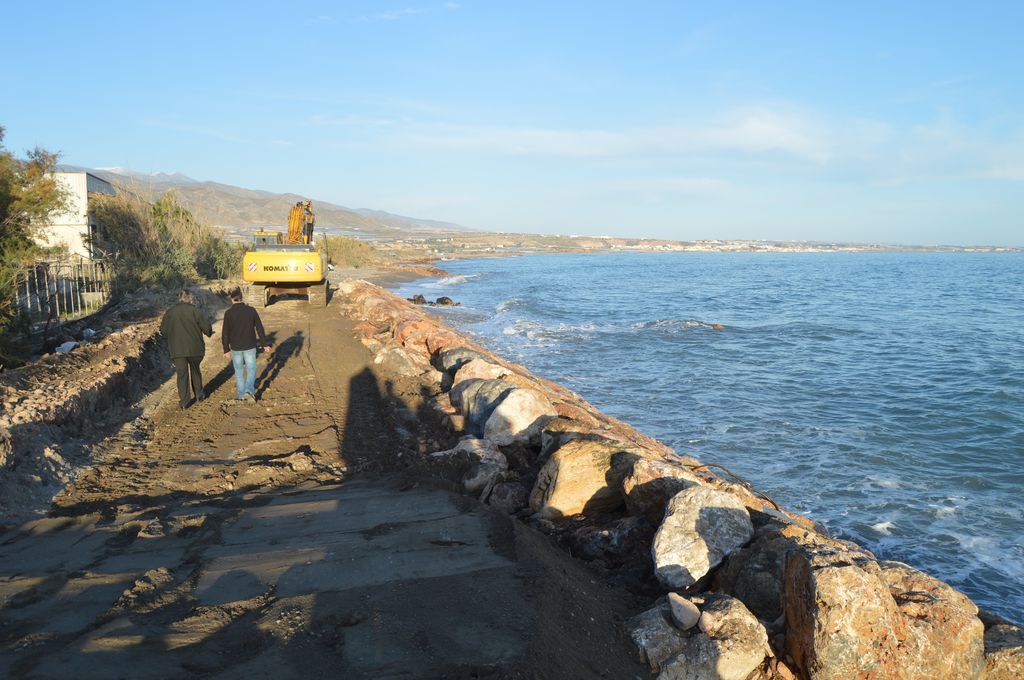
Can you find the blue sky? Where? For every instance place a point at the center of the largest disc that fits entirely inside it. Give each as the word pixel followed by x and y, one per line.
pixel 891 122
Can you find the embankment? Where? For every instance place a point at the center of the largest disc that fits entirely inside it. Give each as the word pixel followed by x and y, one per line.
pixel 739 587
pixel 55 409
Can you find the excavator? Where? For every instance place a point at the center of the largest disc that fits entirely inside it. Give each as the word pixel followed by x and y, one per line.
pixel 286 265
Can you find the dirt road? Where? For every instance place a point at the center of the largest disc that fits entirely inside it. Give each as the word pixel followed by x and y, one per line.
pixel 289 538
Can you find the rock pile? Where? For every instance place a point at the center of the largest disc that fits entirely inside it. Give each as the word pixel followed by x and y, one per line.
pixel 749 590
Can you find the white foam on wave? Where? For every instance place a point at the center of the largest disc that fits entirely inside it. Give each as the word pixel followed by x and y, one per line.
pixel 886 482
pixel 671 325
pixel 884 528
pixel 456 280
pixel 511 303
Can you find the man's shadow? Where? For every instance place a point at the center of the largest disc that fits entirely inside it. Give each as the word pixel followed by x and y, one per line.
pixel 285 351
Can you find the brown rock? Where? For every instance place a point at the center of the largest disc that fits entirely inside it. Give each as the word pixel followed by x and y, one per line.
pixel 619 538
pixel 651 483
pixel 440 340
pixel 580 477
pixel 577 413
pixel 1004 651
pixel 731 644
pixel 399 361
pixel 509 497
pixel 851 617
pixel 478 368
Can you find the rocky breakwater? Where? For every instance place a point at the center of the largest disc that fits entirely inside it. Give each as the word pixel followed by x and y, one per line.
pixel 54 409
pixel 738 588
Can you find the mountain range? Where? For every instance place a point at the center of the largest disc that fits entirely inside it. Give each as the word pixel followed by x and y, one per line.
pixel 224 205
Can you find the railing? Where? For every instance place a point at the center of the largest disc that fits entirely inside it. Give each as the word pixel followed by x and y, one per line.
pixel 54 291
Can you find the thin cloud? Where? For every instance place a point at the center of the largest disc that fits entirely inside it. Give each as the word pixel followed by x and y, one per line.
pixel 201 130
pixel 667 186
pixel 749 132
pixel 396 14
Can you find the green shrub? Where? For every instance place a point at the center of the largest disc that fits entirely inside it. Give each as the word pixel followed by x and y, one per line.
pixel 161 244
pixel 353 253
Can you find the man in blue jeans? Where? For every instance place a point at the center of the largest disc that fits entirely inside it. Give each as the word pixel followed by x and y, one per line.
pixel 241 334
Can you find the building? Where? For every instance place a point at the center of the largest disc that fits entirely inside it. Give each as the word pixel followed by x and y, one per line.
pixel 75 227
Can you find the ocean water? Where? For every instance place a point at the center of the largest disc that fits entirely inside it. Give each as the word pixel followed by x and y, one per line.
pixel 880 394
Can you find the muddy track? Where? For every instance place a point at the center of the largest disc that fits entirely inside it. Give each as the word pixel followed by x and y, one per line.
pixel 288 538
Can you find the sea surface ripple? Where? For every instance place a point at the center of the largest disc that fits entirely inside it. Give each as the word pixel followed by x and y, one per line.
pixel 880 394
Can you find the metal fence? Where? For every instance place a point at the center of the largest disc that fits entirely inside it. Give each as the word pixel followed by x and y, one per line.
pixel 60 290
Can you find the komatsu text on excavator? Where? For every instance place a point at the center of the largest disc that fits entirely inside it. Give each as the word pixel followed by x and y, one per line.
pixel 289 265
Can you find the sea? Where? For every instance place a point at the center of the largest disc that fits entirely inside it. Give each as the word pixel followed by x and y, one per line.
pixel 881 394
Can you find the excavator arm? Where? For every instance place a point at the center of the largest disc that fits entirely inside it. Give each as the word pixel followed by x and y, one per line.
pixel 300 223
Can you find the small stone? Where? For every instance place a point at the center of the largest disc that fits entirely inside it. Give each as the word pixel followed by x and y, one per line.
pixel 685 614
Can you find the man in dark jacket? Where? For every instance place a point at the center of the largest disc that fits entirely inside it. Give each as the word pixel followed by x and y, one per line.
pixel 241 333
pixel 183 327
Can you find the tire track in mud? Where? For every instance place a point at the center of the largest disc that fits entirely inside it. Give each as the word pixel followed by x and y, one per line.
pixel 172 476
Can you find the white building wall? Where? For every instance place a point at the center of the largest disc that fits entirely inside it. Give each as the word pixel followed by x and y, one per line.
pixel 72 227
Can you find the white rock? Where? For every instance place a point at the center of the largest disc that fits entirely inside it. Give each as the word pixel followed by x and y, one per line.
pixel 657 641
pixel 519 417
pixel 478 368
pixel 684 613
pixel 701 526
pixel 66 347
pixel 731 649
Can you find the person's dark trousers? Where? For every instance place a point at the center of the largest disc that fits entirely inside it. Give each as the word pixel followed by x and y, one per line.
pixel 185 366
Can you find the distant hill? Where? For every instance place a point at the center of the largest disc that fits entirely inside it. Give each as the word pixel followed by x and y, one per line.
pixel 224 205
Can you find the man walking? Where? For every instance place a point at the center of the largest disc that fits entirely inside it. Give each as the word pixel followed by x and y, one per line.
pixel 241 333
pixel 184 326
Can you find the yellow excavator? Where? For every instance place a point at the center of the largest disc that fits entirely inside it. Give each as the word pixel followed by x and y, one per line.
pixel 289 265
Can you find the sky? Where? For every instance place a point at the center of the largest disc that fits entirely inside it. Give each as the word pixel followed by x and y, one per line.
pixel 892 122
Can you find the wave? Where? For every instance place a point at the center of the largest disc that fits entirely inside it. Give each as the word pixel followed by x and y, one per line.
pixel 449 281
pixel 884 528
pixel 511 303
pixel 676 325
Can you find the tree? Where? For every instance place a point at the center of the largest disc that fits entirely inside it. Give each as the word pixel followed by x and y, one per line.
pixel 29 196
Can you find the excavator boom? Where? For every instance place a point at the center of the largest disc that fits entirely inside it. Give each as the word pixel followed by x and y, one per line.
pixel 300 223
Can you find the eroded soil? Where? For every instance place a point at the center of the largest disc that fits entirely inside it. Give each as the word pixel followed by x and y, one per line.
pixel 293 537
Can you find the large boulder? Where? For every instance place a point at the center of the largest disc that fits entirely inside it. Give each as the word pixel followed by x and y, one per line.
pixel 657 640
pixel 651 483
pixel 620 538
pixel 451 360
pixel 509 497
pixel 754 574
pixel 730 643
pixel 848 616
pixel 583 476
pixel 1004 651
pixel 470 450
pixel 401 362
pixel 518 417
pixel 6 446
pixel 478 400
pixel 701 526
pixel 558 431
pixel 478 369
